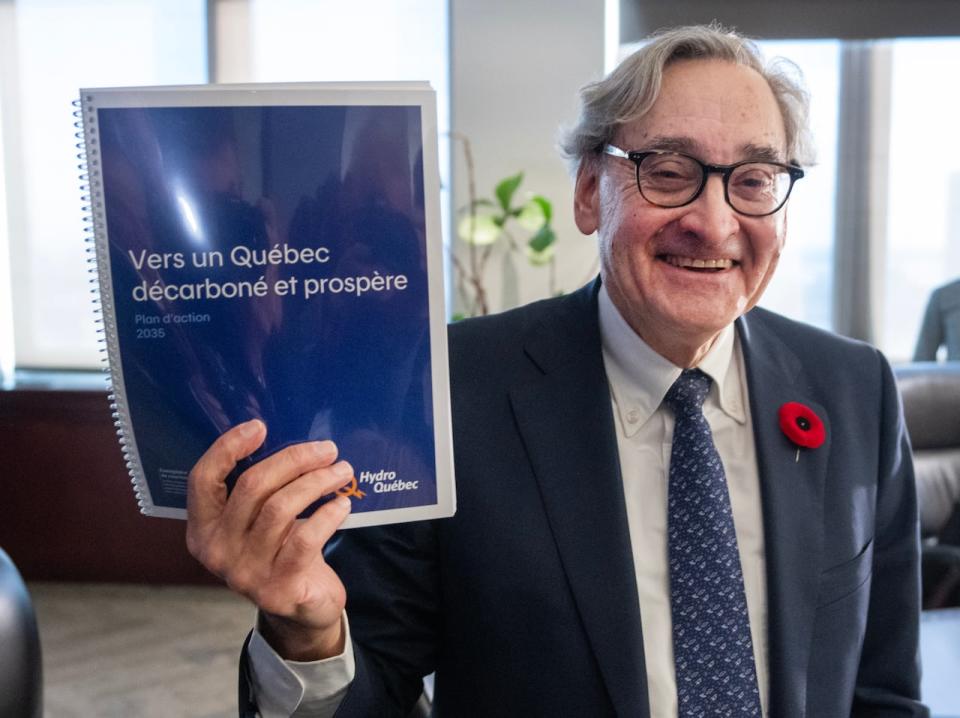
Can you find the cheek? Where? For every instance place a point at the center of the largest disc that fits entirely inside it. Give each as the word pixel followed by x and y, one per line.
pixel 774 250
pixel 767 261
pixel 770 239
pixel 610 211
pixel 777 249
pixel 614 261
pixel 780 230
pixel 615 234
pixel 772 265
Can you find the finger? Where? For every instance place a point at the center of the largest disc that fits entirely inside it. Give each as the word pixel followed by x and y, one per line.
pixel 304 544
pixel 260 482
pixel 278 513
pixel 206 487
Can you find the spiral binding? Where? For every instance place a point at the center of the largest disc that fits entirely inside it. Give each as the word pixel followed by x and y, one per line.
pixel 95 236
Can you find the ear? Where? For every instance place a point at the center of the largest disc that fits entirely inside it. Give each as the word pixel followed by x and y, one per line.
pixel 586 196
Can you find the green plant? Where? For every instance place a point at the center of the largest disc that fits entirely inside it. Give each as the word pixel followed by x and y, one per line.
pixel 484 224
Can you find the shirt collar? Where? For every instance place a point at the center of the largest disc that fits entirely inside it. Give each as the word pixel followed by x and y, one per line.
pixel 640 378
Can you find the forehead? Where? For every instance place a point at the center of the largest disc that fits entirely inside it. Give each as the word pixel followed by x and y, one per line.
pixel 720 110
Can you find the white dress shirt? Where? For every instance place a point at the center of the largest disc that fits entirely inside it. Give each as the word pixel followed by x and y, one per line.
pixel 639 379
pixel 311 689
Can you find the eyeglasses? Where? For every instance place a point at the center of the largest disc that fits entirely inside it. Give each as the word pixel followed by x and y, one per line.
pixel 672 179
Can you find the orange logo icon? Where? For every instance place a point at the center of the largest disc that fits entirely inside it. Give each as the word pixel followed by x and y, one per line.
pixel 350 489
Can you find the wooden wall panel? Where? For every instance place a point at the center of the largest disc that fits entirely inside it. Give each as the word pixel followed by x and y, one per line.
pixel 67 510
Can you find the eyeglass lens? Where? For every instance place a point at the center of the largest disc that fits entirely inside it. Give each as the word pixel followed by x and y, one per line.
pixel 670 180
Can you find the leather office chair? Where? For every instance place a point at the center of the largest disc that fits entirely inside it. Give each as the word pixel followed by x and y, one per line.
pixel 21 684
pixel 931 406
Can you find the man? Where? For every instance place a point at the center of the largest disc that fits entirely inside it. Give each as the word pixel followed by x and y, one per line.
pixel 636 535
pixel 941 324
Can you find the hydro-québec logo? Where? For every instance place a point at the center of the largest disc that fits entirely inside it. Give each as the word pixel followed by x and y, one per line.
pixel 379 482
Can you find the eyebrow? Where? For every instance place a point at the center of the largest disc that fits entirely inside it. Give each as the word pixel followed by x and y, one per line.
pixel 761 153
pixel 690 146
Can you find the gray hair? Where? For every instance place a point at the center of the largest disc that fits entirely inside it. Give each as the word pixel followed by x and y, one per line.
pixel 630 91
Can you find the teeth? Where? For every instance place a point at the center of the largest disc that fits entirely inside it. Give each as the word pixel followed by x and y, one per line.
pixel 699 263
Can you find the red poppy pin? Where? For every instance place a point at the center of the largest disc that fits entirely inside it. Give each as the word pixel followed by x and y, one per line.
pixel 802 426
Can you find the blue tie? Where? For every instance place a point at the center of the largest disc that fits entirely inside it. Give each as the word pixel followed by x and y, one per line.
pixel 712 649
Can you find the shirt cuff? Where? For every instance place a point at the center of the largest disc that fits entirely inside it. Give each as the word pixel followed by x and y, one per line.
pixel 302 688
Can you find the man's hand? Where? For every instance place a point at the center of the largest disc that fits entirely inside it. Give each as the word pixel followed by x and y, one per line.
pixel 254 541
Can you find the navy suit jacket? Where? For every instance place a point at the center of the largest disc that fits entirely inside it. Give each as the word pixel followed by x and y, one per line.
pixel 525 603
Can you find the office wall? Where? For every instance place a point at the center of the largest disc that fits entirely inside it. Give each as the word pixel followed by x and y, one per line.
pixel 516 69
pixel 67 511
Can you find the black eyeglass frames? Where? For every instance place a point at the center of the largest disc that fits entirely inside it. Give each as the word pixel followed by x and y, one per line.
pixel 673 179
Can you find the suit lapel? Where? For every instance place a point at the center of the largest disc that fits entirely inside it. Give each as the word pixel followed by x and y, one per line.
pixel 792 497
pixel 573 451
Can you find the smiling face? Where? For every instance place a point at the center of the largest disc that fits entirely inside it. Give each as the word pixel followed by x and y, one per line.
pixel 680 275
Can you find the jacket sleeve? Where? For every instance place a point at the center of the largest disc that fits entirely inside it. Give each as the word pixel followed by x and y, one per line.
pixel 931 331
pixel 888 679
pixel 391 579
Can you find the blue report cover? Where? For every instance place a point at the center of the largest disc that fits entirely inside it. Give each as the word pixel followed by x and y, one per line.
pixel 274 252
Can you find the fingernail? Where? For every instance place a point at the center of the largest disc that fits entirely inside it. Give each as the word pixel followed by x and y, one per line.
pixel 325 447
pixel 249 429
pixel 343 470
pixel 344 503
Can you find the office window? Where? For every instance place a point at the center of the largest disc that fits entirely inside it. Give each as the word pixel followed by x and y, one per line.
pixel 52 48
pixel 363 40
pixel 923 206
pixel 802 286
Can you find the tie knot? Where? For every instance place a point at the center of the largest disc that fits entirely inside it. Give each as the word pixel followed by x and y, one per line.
pixel 688 392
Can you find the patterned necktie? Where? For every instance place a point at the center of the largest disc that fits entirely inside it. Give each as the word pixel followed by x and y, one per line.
pixel 711 630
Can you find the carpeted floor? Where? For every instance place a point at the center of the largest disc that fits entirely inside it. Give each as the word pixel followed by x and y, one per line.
pixel 122 651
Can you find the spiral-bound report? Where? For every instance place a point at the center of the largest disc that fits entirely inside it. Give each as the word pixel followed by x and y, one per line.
pixel 273 252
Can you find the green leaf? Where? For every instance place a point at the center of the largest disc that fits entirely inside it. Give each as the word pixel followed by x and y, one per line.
pixel 540 259
pixel 531 217
pixel 545 205
pixel 506 188
pixel 542 239
pixel 481 229
pixel 459 316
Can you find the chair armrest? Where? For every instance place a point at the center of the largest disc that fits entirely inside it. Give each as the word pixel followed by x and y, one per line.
pixel 940 570
pixel 21 685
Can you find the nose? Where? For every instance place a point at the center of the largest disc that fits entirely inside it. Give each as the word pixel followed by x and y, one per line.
pixel 709 216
